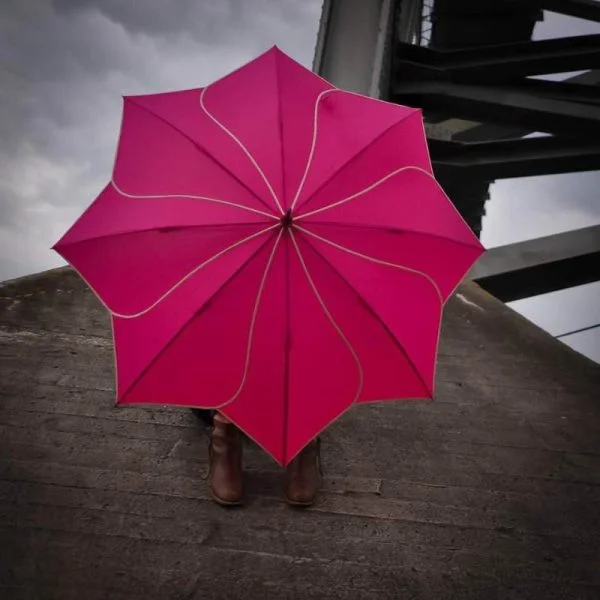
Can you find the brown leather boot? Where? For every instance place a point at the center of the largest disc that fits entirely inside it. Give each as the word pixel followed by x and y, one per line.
pixel 226 479
pixel 303 476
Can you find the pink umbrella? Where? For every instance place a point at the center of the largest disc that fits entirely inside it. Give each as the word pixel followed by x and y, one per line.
pixel 272 247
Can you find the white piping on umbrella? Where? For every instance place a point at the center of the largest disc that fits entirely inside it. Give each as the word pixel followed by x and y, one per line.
pixel 248 349
pixel 374 260
pixel 383 180
pixel 254 313
pixel 312 147
pixel 274 195
pixel 114 316
pixel 192 197
pixel 316 127
pixel 186 277
pixel 362 192
pixel 244 149
pixel 259 294
pixel 331 319
pixel 395 266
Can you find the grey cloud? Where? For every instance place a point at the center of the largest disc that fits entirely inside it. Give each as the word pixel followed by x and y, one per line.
pixel 222 22
pixel 575 190
pixel 66 64
pixel 155 16
pixel 53 53
pixel 525 208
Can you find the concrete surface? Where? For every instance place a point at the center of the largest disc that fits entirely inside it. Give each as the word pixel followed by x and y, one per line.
pixel 489 492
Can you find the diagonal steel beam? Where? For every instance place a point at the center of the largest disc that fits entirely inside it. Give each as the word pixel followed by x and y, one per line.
pixel 516 158
pixel 491 132
pixel 540 266
pixel 496 104
pixel 504 61
pixel 558 90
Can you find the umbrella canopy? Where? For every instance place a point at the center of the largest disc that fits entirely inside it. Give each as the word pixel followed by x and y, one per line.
pixel 273 247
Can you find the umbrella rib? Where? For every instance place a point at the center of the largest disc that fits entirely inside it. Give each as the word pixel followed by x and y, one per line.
pixel 191 197
pixel 394 231
pixel 196 314
pixel 199 149
pixel 374 314
pixel 377 184
pixel 373 259
pixel 259 295
pixel 192 273
pixel 312 146
pixel 345 164
pixel 330 317
pixel 281 128
pixel 243 148
pixel 158 228
pixel 288 354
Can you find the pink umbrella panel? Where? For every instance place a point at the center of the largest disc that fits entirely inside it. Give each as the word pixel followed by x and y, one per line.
pixel 272 247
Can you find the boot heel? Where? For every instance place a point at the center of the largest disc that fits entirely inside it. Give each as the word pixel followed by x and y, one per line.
pixel 303 476
pixel 225 476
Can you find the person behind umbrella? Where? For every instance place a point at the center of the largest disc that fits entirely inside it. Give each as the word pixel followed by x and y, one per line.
pixel 345 226
pixel 226 480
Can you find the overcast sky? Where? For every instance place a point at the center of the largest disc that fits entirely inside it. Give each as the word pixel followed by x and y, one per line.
pixel 64 65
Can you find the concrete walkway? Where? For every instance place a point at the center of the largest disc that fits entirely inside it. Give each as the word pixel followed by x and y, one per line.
pixel 490 492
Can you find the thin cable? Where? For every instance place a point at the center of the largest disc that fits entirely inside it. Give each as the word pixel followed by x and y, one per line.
pixel 562 335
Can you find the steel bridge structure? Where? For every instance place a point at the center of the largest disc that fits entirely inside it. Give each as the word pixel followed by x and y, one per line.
pixel 494 109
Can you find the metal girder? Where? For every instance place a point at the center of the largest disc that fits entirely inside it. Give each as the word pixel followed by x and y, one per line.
pixel 497 104
pixel 582 9
pixel 489 132
pixel 517 158
pixel 540 266
pixel 465 23
pixel 559 90
pixel 500 62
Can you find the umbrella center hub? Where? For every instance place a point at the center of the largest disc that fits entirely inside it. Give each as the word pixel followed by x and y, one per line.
pixel 287 220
